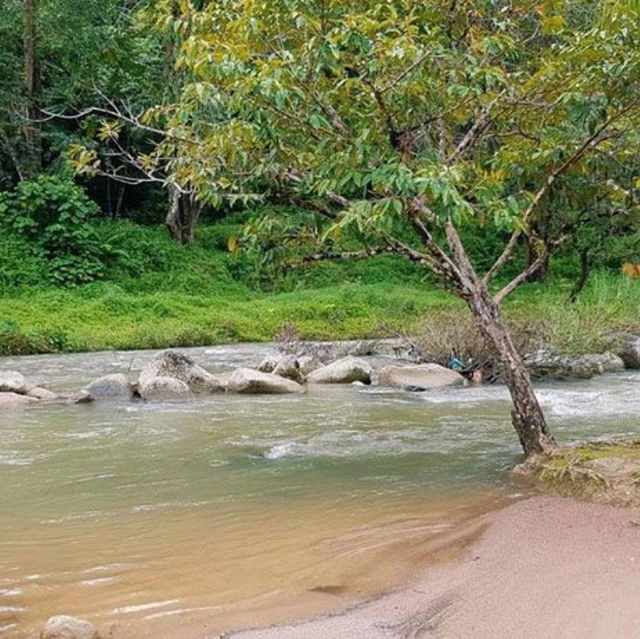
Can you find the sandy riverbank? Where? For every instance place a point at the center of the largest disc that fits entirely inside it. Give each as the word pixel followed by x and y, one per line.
pixel 543 568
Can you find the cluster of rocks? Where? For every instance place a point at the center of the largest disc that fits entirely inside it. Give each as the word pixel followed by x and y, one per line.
pixel 173 375
pixel 15 390
pixel 545 364
pixel 624 354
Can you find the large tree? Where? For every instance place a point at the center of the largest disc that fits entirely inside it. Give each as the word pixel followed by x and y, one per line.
pixel 402 120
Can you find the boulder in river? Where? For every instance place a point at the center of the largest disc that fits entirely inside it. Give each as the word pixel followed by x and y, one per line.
pixel 308 364
pixel 247 380
pixel 603 362
pixel 12 382
pixel 115 385
pixel 9 400
pixel 343 371
pixel 42 393
pixel 289 367
pixel 171 365
pixel 164 388
pixel 629 351
pixel 544 364
pixel 269 363
pixel 65 627
pixel 419 377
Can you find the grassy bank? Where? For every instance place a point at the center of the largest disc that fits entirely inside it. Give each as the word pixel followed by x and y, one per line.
pixel 157 294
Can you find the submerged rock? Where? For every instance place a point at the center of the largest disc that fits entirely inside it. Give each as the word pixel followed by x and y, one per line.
pixel 171 365
pixel 65 627
pixel 9 400
pixel 344 371
pixel 419 377
pixel 247 380
pixel 81 397
pixel 42 393
pixel 12 382
pixel 115 385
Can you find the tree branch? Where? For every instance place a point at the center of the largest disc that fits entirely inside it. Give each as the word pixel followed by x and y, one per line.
pixel 481 123
pixel 592 141
pixel 521 278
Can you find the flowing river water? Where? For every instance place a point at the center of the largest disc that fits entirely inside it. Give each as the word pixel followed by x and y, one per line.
pixel 180 520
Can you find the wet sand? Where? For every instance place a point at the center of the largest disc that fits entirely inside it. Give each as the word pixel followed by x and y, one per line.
pixel 541 568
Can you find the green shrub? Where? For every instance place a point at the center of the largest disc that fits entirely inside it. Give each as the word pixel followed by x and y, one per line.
pixel 14 341
pixel 20 265
pixel 53 216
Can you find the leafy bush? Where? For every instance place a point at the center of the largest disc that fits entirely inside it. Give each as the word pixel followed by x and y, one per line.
pixel 19 264
pixel 14 341
pixel 53 216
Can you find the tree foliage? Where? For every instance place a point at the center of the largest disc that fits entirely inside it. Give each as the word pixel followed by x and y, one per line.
pixel 53 217
pixel 494 112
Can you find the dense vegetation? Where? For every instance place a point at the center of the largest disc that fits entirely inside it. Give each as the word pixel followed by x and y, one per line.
pixel 155 293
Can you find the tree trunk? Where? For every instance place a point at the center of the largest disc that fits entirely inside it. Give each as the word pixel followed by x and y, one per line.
pixel 533 254
pixel 182 217
pixel 585 269
pixel 32 136
pixel 527 416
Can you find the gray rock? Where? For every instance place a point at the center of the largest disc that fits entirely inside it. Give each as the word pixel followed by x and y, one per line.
pixel 544 364
pixel 629 351
pixel 247 380
pixel 269 363
pixel 344 371
pixel 64 627
pixel 116 385
pixel 12 382
pixel 308 364
pixel 289 367
pixel 10 400
pixel 165 388
pixel 81 397
pixel 42 393
pixel 419 377
pixel 176 366
pixel 603 362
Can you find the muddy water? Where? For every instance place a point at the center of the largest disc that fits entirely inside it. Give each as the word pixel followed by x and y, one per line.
pixel 185 520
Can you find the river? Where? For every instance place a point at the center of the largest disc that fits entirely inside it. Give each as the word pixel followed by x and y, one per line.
pixel 180 520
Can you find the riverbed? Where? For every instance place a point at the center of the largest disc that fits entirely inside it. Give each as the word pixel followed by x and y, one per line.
pixel 178 520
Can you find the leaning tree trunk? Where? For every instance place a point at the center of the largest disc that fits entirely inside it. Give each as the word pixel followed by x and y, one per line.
pixel 527 416
pixel 182 217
